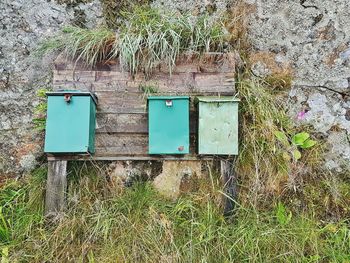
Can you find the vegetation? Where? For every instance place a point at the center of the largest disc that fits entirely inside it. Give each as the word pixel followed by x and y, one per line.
pixel 146 39
pixel 289 209
pixel 112 10
pixel 105 223
pixel 39 119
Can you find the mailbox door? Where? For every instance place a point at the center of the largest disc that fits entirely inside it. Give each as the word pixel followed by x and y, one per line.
pixel 68 124
pixel 218 128
pixel 168 125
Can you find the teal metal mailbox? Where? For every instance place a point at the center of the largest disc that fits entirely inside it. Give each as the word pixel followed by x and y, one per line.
pixel 168 125
pixel 70 124
pixel 218 125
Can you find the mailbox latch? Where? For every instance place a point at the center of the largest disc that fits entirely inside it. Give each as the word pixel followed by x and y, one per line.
pixel 169 103
pixel 68 97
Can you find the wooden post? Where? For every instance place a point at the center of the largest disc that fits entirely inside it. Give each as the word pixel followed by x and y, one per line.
pixel 230 185
pixel 56 187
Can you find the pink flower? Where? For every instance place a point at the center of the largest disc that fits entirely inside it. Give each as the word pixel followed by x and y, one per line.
pixel 301 115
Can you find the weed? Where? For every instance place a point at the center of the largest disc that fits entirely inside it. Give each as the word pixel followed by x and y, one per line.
pixel 293 145
pixel 39 119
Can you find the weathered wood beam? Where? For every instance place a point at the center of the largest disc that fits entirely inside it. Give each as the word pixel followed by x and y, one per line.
pixel 86 157
pixel 230 185
pixel 56 187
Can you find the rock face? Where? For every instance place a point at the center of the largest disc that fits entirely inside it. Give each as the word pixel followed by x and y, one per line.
pixel 313 38
pixel 23 25
pixel 309 37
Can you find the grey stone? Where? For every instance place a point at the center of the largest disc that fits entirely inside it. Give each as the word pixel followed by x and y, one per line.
pixel 260 69
pixel 23 25
pixel 28 162
pixel 314 38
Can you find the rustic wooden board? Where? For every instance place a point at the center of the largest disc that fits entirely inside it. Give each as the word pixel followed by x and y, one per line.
pixel 116 144
pixel 209 62
pixel 96 157
pixel 131 122
pixel 178 83
pixel 122 121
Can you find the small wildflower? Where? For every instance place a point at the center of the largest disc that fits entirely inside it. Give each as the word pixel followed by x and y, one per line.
pixel 301 115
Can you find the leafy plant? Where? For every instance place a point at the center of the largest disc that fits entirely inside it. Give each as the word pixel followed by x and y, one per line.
pixel 295 143
pixel 283 217
pixel 40 110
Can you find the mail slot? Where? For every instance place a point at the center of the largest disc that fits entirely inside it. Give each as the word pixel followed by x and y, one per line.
pixel 70 124
pixel 168 125
pixel 218 125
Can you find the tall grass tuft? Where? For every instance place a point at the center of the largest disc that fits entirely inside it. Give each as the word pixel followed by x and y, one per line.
pixel 88 45
pixel 150 37
pixel 146 38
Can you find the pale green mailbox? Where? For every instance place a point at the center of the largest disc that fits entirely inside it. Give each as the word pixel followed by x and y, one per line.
pixel 70 123
pixel 218 125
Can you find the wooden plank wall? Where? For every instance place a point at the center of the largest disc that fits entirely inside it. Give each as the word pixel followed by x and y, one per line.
pixel 122 128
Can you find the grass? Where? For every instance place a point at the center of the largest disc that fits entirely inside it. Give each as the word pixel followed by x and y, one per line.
pixel 151 37
pixel 265 170
pixel 112 9
pixel 259 162
pixel 90 46
pixel 146 38
pixel 108 224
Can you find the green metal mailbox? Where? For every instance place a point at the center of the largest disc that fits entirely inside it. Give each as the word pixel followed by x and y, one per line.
pixel 168 125
pixel 218 125
pixel 70 124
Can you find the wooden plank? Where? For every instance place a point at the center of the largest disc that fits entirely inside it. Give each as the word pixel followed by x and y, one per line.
pixel 96 157
pixel 230 185
pixel 113 101
pixel 179 83
pixel 121 144
pixel 208 62
pixel 56 187
pixel 110 76
pixel 131 123
pixel 74 75
pixel 117 144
